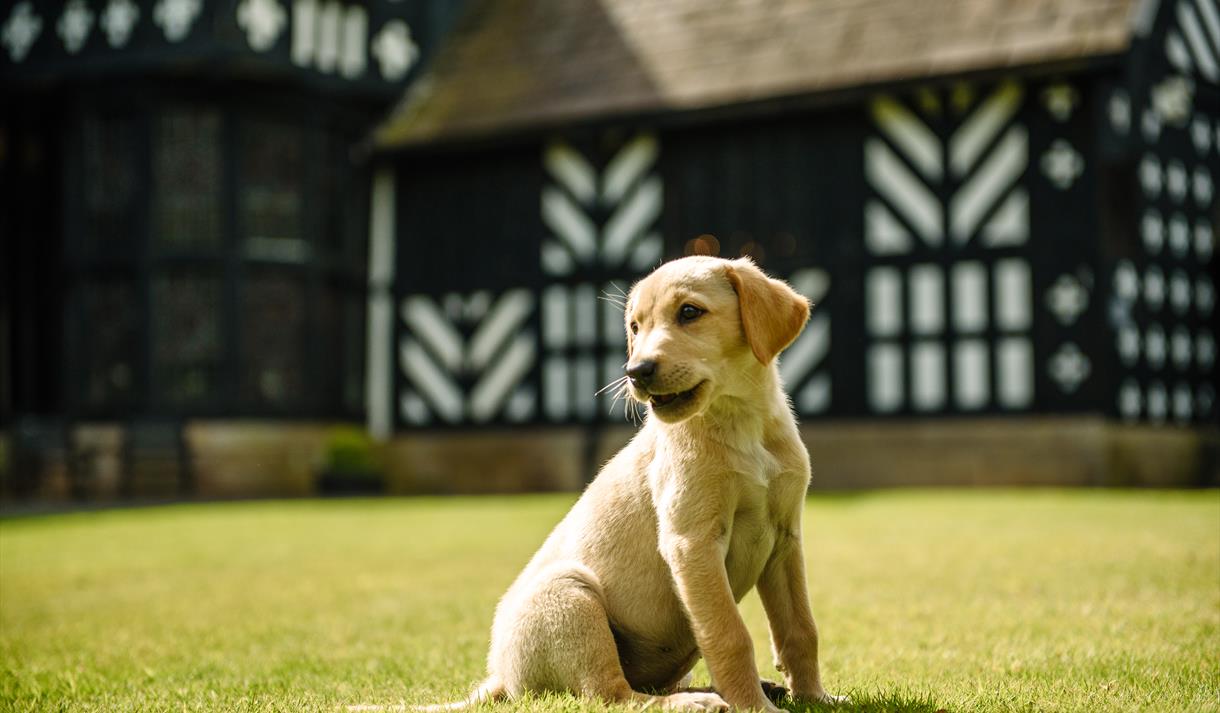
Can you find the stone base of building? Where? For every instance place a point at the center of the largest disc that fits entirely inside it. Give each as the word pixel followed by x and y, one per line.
pixel 239 459
pixel 509 461
pixel 1011 452
pixel 1048 452
pixel 216 460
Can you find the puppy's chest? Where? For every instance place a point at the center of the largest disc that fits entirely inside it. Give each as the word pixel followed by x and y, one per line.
pixel 752 526
pixel 751 538
pixel 748 478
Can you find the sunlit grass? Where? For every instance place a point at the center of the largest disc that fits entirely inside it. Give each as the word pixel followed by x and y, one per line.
pixel 964 601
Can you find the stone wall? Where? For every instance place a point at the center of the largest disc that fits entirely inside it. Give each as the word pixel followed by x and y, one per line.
pixel 1047 452
pixel 227 459
pixel 508 461
pixel 256 458
pixel 242 459
pixel 1010 452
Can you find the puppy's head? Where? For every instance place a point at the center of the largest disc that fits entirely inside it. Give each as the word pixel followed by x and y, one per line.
pixel 699 326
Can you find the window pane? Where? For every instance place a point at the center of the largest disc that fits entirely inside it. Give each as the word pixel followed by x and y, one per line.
pixel 273 340
pixel 334 190
pixel 1013 294
pixel 339 321
pixel 927 293
pixel 110 333
pixel 885 392
pixel 186 180
pixel 355 218
pixel 970 374
pixel 186 338
pixel 928 385
pixel 1016 372
pixel 354 353
pixel 109 153
pixel 884 287
pixel 271 194
pixel 969 297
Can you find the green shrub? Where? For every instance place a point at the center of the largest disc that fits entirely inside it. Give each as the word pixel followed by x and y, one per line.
pixel 349 451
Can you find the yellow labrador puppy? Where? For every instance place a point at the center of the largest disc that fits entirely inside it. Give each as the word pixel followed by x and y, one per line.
pixel 643 576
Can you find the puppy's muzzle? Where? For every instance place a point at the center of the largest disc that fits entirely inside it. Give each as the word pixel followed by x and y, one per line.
pixel 642 373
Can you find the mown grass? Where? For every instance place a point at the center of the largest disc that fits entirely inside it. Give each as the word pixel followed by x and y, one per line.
pixel 961 601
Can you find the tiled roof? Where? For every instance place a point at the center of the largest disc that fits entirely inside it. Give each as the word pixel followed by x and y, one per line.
pixel 517 64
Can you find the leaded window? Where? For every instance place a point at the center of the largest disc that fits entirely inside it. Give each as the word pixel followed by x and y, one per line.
pixel 110 151
pixel 186 337
pixel 273 359
pixel 219 263
pixel 111 310
pixel 274 165
pixel 186 179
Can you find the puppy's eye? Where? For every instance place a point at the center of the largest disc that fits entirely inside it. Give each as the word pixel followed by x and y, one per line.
pixel 688 313
pixel 635 328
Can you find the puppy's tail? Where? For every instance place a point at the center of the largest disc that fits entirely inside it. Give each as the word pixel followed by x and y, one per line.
pixel 488 691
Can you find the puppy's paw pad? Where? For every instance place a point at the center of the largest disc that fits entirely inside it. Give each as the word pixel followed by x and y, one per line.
pixel 695 702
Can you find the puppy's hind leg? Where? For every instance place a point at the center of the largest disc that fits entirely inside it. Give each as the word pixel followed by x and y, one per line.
pixel 560 640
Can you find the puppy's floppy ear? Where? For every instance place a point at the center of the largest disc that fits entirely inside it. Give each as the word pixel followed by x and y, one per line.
pixel 772 313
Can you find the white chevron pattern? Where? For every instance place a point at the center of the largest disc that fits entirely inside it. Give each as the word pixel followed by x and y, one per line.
pixel 478 377
pixel 626 187
pixel 986 153
pixel 903 190
pixel 803 365
pixel 1194 43
pixel 938 185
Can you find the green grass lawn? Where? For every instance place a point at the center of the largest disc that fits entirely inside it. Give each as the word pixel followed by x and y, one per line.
pixel 965 601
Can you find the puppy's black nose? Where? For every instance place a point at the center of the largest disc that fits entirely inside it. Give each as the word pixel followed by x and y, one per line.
pixel 641 372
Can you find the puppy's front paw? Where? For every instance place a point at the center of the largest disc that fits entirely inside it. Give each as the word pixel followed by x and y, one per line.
pixel 824 698
pixel 695 701
pixel 775 692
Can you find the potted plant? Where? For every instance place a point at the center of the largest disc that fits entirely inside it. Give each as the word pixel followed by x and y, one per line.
pixel 350 466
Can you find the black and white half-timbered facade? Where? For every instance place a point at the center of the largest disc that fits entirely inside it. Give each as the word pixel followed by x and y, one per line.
pixel 218 227
pixel 998 234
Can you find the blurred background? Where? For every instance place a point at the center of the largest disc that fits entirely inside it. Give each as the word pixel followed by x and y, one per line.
pixel 296 247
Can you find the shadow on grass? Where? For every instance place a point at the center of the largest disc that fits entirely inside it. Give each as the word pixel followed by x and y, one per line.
pixel 871 702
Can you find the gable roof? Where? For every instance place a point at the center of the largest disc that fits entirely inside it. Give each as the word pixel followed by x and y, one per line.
pixel 511 65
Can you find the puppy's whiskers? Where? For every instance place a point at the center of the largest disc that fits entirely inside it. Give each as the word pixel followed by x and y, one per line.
pixel 619 393
pixel 620 386
pixel 631 410
pixel 621 381
pixel 618 298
